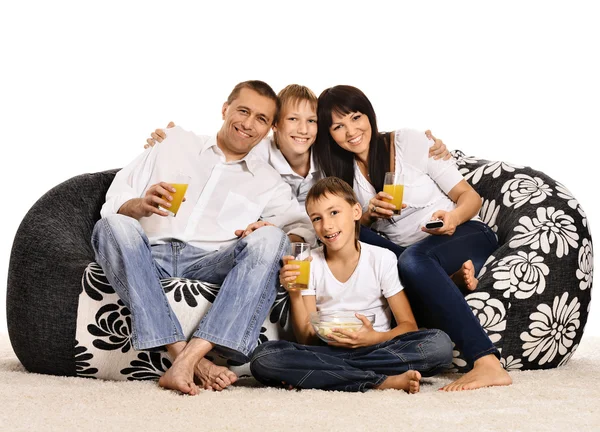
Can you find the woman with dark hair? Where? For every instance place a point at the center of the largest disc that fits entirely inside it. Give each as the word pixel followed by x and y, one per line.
pixel 349 146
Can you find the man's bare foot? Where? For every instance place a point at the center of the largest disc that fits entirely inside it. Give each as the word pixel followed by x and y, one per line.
pixel 487 372
pixel 180 376
pixel 465 276
pixel 408 381
pixel 211 376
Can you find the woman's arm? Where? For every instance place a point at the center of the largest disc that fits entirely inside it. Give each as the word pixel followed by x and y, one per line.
pixel 468 204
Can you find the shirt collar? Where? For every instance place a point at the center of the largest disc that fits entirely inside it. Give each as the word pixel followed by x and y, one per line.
pixel 278 161
pixel 251 161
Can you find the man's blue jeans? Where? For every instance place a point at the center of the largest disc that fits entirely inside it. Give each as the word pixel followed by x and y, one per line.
pixel 247 271
pixel 331 368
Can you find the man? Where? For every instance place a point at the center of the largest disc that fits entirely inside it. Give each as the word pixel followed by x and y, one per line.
pixel 137 243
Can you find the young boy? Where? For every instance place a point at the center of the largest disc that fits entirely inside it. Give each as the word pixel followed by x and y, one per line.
pixel 350 275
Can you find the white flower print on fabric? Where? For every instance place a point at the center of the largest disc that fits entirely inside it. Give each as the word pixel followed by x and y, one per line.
pixel 511 364
pixel 490 312
pixel 585 272
pixel 494 168
pixel 551 330
pixel 522 275
pixel 489 213
pixel 523 189
pixel 566 358
pixel 457 361
pixel 549 227
pixel 485 264
pixel 565 193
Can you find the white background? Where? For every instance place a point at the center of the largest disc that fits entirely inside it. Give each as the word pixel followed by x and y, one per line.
pixel 82 85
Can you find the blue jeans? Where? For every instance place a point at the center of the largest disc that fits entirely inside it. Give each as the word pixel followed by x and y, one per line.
pixel 331 368
pixel 246 270
pixel 435 299
pixel 369 236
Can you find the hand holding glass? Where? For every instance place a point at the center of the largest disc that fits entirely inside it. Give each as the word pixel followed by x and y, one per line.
pixel 180 184
pixel 301 254
pixel 393 185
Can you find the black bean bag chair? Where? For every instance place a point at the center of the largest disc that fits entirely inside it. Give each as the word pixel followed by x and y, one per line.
pixel 533 296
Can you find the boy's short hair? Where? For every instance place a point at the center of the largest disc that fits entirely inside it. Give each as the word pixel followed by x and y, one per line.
pixel 295 93
pixel 338 187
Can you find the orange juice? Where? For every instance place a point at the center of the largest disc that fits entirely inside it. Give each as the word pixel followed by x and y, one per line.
pixel 178 195
pixel 301 281
pixel 397 191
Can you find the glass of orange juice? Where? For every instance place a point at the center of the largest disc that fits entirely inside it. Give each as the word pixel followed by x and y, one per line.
pixel 301 254
pixel 180 183
pixel 393 184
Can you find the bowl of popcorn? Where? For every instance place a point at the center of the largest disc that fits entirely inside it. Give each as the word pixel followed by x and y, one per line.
pixel 324 322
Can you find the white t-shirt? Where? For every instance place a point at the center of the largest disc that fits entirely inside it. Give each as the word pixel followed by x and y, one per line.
pixel 426 184
pixel 374 279
pixel 268 151
pixel 222 196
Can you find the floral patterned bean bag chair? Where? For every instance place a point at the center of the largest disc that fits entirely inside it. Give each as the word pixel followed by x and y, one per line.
pixel 532 299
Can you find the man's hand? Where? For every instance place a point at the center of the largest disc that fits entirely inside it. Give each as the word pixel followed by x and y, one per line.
pixel 158 195
pixel 438 150
pixel 157 136
pixel 251 228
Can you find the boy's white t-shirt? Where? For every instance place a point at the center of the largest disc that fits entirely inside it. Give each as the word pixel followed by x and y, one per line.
pixel 374 279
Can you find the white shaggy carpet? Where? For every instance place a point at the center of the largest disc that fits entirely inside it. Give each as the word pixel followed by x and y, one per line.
pixel 564 399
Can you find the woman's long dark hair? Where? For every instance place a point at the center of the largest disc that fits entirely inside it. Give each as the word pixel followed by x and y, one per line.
pixel 329 156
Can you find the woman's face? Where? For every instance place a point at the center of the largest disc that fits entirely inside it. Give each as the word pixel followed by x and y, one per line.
pixel 352 132
pixel 296 129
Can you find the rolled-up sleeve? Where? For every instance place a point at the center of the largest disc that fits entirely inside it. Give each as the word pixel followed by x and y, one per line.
pixel 284 211
pixel 129 183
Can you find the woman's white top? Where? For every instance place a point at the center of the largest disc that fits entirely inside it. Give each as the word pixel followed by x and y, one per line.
pixel 374 279
pixel 426 184
pixel 268 151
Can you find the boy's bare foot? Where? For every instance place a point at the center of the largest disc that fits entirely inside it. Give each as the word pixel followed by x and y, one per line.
pixel 180 377
pixel 465 276
pixel 211 376
pixel 487 372
pixel 409 381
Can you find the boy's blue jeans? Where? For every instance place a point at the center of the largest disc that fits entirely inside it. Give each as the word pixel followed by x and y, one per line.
pixel 247 271
pixel 331 368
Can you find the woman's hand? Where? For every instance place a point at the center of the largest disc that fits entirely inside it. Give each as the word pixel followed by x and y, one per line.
pixel 366 336
pixel 438 150
pixel 157 136
pixel 380 209
pixel 241 233
pixel 450 223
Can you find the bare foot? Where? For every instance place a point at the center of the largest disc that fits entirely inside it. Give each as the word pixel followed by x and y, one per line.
pixel 211 376
pixel 487 372
pixel 180 377
pixel 408 381
pixel 465 276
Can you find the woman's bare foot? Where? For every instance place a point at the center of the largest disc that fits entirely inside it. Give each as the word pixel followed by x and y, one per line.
pixel 465 276
pixel 180 377
pixel 409 381
pixel 211 376
pixel 487 372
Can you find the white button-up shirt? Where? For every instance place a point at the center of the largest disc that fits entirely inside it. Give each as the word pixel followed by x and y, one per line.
pixel 222 196
pixel 268 151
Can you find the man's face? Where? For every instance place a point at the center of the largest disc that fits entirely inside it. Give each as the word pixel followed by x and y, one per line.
pixel 246 121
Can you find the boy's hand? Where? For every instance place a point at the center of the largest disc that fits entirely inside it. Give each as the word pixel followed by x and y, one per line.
pixel 438 150
pixel 157 136
pixel 289 272
pixel 365 336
